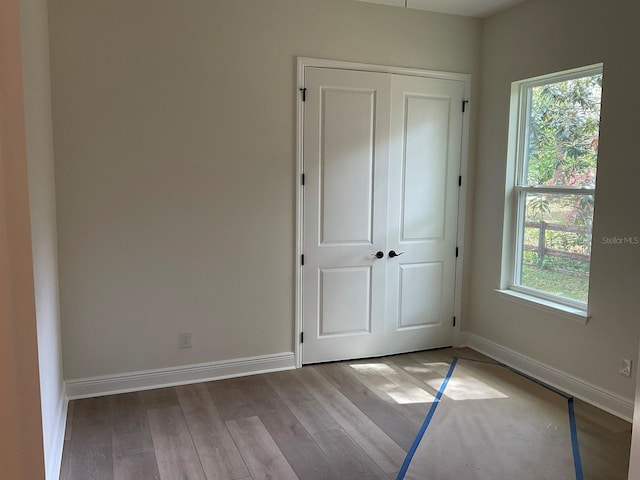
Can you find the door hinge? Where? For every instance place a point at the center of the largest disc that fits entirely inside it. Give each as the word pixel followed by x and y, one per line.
pixel 301 337
pixel 464 105
pixel 303 179
pixel 460 181
pixel 454 321
pixel 304 94
pixel 302 259
pixel 456 252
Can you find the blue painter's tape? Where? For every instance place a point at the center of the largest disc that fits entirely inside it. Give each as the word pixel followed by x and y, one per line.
pixel 427 420
pixel 577 460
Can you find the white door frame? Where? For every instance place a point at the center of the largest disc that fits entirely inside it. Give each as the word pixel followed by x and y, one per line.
pixel 462 193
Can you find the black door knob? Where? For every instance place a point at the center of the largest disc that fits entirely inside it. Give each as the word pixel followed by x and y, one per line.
pixel 392 254
pixel 378 254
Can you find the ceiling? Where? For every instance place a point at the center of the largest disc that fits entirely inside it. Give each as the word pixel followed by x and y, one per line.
pixel 467 8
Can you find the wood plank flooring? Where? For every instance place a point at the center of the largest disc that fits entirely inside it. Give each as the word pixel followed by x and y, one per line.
pixel 346 420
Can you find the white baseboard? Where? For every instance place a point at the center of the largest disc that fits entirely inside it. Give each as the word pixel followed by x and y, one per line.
pixel 168 377
pixel 610 402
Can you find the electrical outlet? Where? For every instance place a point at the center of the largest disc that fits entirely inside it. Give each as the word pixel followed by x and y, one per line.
pixel 625 367
pixel 185 340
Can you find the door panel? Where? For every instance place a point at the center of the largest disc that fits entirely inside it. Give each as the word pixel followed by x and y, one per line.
pixel 345 301
pixel 419 293
pixel 424 166
pixel 346 160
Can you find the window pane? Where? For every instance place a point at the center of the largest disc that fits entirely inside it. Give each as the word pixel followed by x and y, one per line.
pixel 556 244
pixel 562 143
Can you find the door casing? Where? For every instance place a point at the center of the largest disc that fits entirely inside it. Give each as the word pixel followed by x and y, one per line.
pixel 302 63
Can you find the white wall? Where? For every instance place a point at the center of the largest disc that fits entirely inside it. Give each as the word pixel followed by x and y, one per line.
pixel 175 164
pixel 21 449
pixel 39 137
pixel 537 37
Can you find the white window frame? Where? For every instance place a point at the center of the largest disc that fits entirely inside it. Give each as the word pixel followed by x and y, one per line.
pixel 516 192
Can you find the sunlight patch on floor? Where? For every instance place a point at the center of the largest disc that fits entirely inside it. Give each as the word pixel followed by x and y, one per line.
pixel 416 396
pixel 394 386
pixel 417 369
pixel 467 387
pixel 464 386
pixel 378 367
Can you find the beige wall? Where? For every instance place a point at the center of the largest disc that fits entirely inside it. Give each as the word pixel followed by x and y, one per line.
pixel 39 136
pixel 537 37
pixel 21 449
pixel 175 164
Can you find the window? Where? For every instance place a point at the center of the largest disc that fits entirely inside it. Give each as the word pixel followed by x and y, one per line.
pixel 553 152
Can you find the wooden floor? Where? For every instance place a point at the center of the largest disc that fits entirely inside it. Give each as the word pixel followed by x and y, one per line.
pixel 347 420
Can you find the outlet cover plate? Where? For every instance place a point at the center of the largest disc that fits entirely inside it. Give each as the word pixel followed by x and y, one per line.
pixel 625 367
pixel 185 340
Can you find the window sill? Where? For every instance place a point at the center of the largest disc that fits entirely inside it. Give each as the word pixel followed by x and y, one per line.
pixel 564 311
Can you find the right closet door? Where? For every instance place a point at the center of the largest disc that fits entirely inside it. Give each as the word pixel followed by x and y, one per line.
pixel 424 167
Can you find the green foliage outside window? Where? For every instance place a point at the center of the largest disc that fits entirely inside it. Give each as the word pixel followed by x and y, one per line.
pixel 562 151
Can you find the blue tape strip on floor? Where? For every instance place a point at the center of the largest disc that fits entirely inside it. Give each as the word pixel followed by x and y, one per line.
pixel 577 460
pixel 425 424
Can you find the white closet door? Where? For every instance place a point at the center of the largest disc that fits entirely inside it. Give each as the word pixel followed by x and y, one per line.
pixel 381 162
pixel 424 165
pixel 346 128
